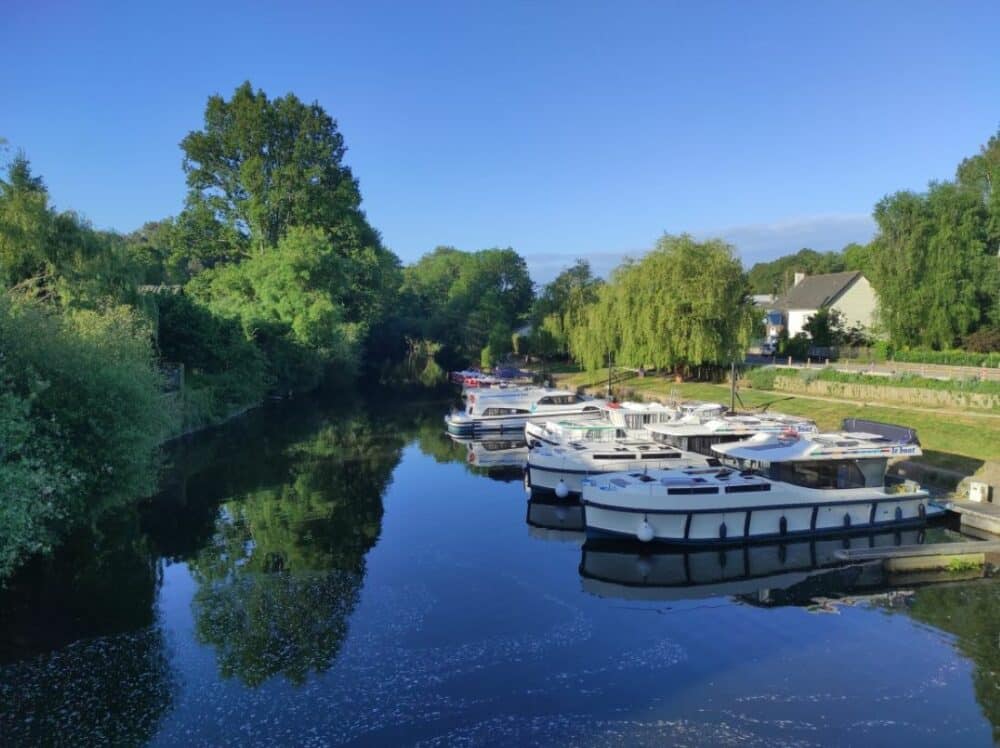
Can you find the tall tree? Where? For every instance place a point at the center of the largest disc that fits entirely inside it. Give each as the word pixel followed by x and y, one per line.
pixel 684 304
pixel 460 298
pixel 930 265
pixel 777 276
pixel 560 306
pixel 25 222
pixel 261 165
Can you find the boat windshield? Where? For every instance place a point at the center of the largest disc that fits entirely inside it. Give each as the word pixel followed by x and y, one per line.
pixel 560 400
pixel 836 474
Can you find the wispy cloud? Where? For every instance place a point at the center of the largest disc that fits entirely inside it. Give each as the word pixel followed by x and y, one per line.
pixel 756 242
pixel 765 241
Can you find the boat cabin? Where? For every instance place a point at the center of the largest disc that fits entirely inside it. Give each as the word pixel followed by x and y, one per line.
pixel 704 436
pixel 839 460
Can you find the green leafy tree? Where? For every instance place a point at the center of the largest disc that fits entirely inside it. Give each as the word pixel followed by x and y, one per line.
pixel 825 327
pixel 459 298
pixel 287 300
pixel 25 223
pixel 777 276
pixel 560 306
pixel 260 166
pixel 931 267
pixel 685 304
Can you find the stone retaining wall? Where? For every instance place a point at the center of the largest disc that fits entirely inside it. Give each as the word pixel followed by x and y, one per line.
pixel 875 393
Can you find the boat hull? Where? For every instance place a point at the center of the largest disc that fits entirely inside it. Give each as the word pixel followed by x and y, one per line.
pixel 463 425
pixel 708 525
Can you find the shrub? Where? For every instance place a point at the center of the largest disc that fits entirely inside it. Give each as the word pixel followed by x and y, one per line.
pixel 946 357
pixel 762 377
pixel 81 414
pixel 986 340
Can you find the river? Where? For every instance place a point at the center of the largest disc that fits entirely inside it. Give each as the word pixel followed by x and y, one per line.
pixel 337 571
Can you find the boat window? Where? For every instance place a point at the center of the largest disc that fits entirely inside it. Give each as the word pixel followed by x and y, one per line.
pixel 747 488
pixel 687 490
pixel 559 400
pixel 819 474
pixel 660 456
pixel 703 444
pixel 504 411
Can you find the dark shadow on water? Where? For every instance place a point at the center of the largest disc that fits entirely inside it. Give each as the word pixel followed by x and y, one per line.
pixel 273 514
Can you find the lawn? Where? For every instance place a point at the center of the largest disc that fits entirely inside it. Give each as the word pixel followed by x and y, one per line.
pixel 949 440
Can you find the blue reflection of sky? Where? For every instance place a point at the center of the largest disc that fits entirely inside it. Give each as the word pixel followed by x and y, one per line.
pixel 469 629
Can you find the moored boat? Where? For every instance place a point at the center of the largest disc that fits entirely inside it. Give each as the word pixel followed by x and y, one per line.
pixel 786 484
pixel 561 469
pixel 621 420
pixel 693 434
pixel 509 410
pixel 560 466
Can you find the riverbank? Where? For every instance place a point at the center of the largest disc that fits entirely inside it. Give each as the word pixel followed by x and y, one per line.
pixel 953 441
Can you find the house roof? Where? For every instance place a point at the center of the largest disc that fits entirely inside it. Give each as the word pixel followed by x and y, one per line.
pixel 815 291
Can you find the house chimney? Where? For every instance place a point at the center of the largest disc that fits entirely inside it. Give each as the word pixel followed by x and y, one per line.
pixel 799 277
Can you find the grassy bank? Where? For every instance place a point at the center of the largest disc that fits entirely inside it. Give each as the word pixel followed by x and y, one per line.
pixel 950 440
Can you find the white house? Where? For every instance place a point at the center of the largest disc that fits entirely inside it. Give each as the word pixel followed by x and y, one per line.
pixel 849 293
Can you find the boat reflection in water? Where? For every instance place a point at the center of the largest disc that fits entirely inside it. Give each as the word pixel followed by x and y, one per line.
pixel 627 570
pixel 496 456
pixel 550 518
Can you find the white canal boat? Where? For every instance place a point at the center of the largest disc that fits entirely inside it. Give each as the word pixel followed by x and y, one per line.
pixel 787 484
pixel 560 467
pixel 621 420
pixel 692 434
pixel 502 411
pixel 560 470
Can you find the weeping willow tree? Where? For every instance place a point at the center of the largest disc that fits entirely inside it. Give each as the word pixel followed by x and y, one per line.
pixel 685 304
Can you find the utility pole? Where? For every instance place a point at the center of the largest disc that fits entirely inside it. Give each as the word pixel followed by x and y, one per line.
pixel 609 375
pixel 732 386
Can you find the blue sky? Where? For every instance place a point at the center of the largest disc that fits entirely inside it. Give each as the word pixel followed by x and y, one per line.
pixel 561 129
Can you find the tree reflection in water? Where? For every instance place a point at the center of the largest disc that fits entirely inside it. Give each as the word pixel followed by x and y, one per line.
pixel 282 573
pixel 971 612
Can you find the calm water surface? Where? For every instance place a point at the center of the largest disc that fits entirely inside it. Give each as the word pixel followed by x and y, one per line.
pixel 341 572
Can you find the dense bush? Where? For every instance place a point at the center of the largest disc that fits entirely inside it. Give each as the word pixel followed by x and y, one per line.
pixel 947 357
pixel 224 371
pixel 287 300
pixel 81 412
pixel 986 340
